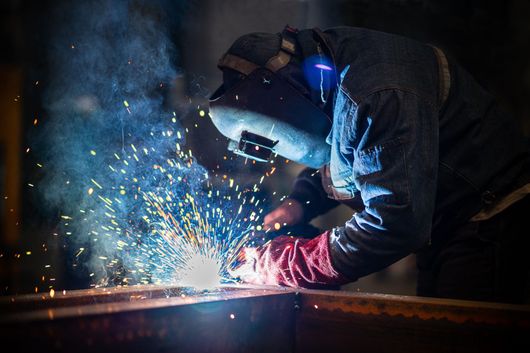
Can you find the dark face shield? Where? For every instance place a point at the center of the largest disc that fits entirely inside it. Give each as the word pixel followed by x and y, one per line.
pixel 253 146
pixel 263 115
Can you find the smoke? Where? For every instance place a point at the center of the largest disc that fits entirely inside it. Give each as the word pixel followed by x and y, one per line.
pixel 109 127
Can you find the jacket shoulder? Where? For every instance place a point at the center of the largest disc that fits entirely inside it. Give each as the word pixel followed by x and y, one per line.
pixel 375 61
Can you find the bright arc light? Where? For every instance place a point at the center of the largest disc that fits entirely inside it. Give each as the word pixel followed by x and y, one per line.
pixel 323 67
pixel 202 272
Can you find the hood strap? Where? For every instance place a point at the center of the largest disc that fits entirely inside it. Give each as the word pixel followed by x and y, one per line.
pixel 275 63
pixel 236 63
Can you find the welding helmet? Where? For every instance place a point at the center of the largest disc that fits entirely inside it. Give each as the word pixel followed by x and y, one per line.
pixel 263 112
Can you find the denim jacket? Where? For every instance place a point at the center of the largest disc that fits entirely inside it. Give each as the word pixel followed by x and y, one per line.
pixel 413 165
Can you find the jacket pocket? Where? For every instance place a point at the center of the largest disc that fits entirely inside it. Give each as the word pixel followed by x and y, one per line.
pixel 380 172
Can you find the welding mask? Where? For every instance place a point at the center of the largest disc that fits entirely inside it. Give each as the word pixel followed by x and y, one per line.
pixel 263 114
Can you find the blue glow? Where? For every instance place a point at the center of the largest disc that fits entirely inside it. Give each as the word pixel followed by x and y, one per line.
pixel 319 72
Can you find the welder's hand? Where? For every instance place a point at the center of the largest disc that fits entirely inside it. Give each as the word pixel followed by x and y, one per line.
pixel 292 262
pixel 246 272
pixel 289 213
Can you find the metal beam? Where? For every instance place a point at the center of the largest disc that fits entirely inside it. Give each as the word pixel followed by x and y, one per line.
pixel 29 302
pixel 258 319
pixel 342 322
pixel 224 321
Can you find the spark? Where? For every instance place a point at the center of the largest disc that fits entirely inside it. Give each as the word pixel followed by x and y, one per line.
pixel 174 231
pixel 96 183
pixel 126 104
pixel 156 216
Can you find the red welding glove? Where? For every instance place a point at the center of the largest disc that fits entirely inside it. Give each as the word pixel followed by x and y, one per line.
pixel 290 261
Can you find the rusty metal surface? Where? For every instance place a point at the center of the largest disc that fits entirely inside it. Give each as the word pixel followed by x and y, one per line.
pixel 27 302
pixel 231 320
pixel 258 319
pixel 342 322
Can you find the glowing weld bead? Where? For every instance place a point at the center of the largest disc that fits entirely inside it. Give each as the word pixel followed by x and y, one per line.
pixel 202 273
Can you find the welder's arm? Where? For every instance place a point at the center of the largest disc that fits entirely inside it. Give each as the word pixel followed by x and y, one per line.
pixel 291 261
pixel 395 161
pixel 308 191
pixel 394 151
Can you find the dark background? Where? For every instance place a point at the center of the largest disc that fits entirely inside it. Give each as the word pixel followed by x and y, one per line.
pixel 491 39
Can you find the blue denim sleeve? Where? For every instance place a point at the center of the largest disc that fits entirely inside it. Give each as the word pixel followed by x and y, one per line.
pixel 393 139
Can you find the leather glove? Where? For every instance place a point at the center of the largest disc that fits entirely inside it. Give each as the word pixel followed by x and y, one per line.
pixel 292 262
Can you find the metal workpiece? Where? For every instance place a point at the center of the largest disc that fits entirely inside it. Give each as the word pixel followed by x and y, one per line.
pixel 244 318
pixel 223 320
pixel 337 321
pixel 30 302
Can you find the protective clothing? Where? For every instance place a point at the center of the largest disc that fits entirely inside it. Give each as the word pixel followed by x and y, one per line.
pixel 294 262
pixel 417 147
pixel 414 165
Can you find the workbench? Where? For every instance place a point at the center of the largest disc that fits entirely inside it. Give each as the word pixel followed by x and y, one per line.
pixel 256 319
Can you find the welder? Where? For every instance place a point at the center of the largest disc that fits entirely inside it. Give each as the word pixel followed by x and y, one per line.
pixel 399 132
